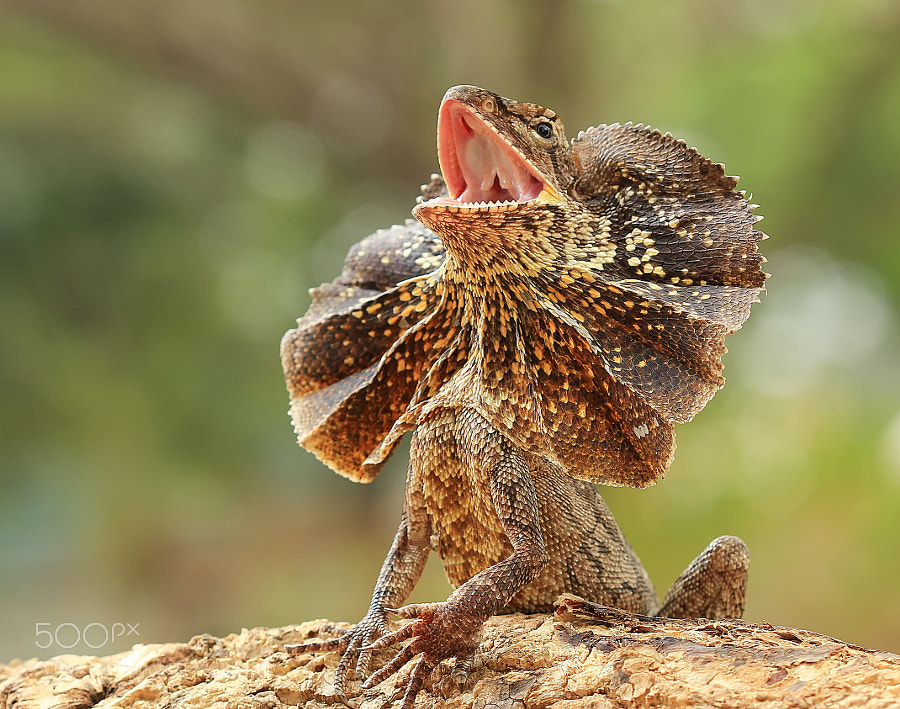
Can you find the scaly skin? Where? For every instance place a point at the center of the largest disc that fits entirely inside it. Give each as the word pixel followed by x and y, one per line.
pixel 533 347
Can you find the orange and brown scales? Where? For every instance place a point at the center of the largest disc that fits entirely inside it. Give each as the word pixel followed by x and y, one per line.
pixel 581 322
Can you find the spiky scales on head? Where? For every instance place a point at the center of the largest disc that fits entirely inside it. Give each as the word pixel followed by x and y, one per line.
pixel 576 296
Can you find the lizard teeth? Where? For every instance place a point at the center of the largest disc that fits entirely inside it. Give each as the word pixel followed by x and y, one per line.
pixel 492 204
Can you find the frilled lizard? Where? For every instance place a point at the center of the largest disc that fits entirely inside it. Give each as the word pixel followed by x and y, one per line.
pixel 556 308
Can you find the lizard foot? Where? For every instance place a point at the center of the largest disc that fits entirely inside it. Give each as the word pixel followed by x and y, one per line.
pixel 714 585
pixel 439 631
pixel 355 646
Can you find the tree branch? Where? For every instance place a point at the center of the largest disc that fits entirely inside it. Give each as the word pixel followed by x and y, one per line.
pixel 584 656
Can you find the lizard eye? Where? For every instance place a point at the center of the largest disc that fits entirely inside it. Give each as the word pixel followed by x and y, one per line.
pixel 544 130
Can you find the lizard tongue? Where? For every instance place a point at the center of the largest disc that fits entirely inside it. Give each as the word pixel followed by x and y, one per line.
pixel 478 165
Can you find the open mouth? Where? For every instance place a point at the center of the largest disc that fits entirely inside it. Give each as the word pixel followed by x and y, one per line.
pixel 479 167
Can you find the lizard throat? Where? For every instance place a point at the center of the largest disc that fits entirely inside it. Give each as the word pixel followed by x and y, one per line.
pixel 481 170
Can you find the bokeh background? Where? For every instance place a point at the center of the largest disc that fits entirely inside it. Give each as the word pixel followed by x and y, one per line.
pixel 174 176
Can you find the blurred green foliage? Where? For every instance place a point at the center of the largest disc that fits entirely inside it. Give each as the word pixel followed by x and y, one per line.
pixel 175 176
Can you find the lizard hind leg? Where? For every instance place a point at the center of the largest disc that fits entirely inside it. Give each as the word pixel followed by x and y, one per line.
pixel 714 585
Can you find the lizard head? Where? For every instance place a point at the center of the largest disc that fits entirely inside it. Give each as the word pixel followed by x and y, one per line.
pixel 496 153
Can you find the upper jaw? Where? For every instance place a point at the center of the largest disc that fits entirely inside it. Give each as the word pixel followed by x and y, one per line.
pixel 480 168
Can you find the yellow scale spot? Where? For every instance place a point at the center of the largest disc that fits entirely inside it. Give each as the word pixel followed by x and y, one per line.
pixel 405 296
pixel 373 308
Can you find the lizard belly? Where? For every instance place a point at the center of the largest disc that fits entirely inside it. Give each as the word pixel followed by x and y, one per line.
pixel 586 552
pixel 467 534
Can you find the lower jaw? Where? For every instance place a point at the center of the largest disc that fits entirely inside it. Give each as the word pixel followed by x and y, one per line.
pixel 447 204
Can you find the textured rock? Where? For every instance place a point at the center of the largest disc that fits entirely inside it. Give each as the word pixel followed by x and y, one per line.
pixel 584 657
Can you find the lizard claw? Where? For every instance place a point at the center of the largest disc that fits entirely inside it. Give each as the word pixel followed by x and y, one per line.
pixel 355 646
pixel 397 636
pixel 402 657
pixel 416 680
pixel 343 700
pixel 439 631
pixel 423 611
pixel 316 646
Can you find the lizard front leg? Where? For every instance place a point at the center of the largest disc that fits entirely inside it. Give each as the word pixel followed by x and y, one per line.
pixel 400 572
pixel 450 629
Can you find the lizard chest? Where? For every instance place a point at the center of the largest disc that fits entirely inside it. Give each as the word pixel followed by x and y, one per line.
pixel 466 532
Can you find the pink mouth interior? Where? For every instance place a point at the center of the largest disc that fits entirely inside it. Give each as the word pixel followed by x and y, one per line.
pixel 477 165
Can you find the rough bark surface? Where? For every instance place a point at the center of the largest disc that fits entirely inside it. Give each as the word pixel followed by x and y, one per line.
pixel 584 656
